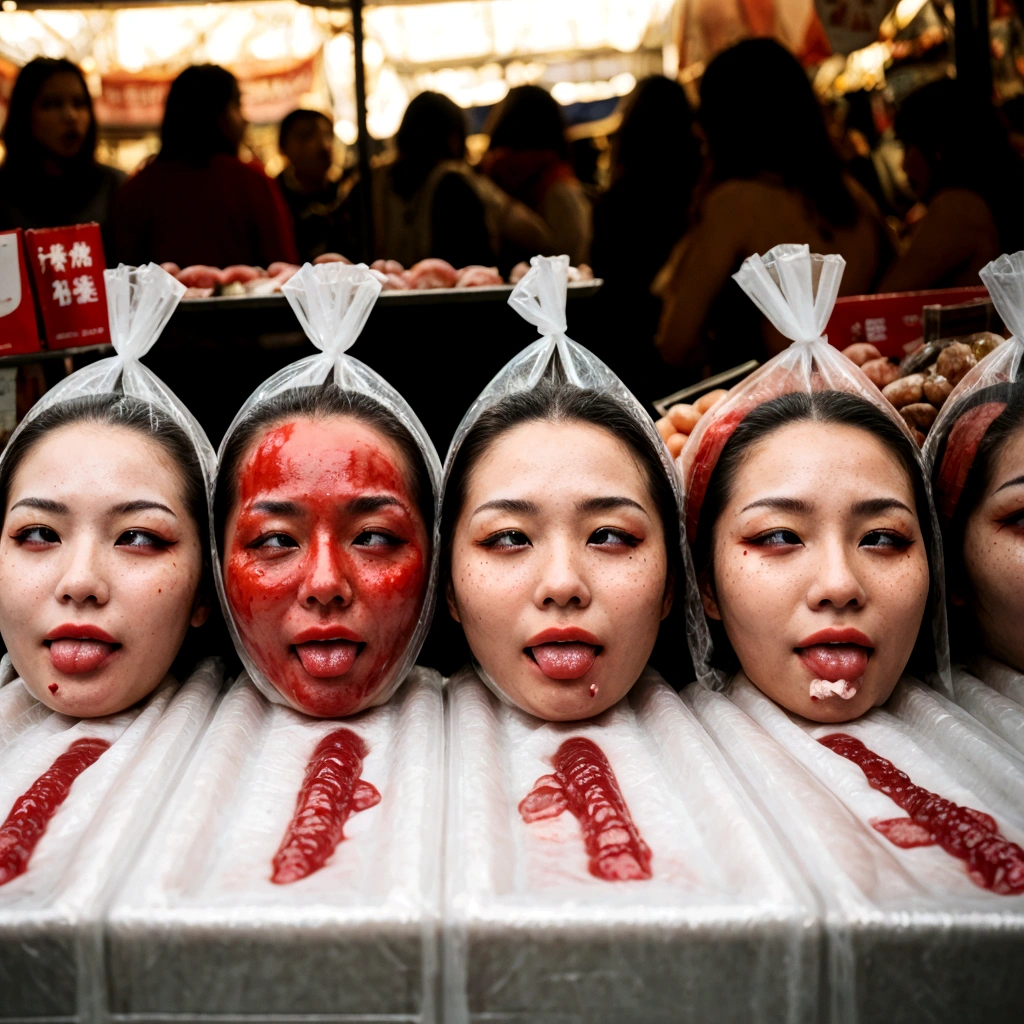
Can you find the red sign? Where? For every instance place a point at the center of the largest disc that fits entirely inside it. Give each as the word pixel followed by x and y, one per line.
pixel 67 266
pixel 890 321
pixel 19 331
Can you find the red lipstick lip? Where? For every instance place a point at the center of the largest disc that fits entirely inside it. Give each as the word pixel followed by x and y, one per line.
pixel 70 631
pixel 836 635
pixel 563 635
pixel 323 634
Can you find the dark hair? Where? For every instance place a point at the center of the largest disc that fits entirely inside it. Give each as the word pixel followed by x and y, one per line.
pixel 951 128
pixel 760 116
pixel 315 402
pixel 433 129
pixel 656 136
pixel 191 129
pixel 529 118
pixel 963 632
pixel 24 154
pixel 837 408
pixel 295 118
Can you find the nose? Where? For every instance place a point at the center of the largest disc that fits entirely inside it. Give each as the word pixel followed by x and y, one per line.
pixel 836 582
pixel 327 581
pixel 562 582
pixel 84 579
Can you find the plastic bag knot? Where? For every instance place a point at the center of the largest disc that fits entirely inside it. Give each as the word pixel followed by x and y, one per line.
pixel 1004 279
pixel 540 296
pixel 140 301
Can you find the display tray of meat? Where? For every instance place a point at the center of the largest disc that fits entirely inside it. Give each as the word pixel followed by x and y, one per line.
pixel 294 873
pixel 612 870
pixel 909 823
pixel 76 799
pixel 429 281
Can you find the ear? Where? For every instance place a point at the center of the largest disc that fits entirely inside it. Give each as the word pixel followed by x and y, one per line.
pixel 200 609
pixel 670 594
pixel 449 595
pixel 707 596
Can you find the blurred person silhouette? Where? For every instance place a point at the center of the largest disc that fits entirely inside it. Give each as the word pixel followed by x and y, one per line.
pixel 528 157
pixel 313 190
pixel 775 177
pixel 197 202
pixel 50 176
pixel 959 160
pixel 430 202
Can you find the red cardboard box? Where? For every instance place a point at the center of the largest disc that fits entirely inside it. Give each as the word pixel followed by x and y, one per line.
pixel 890 321
pixel 67 267
pixel 19 331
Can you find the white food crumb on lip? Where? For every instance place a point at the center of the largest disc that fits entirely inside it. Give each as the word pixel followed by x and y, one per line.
pixel 822 688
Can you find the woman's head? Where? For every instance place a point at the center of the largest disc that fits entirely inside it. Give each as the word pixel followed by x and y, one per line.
pixel 102 552
pixel 812 554
pixel 324 512
pixel 979 485
pixel 760 117
pixel 433 130
pixel 561 543
pixel 50 117
pixel 203 116
pixel 656 137
pixel 529 118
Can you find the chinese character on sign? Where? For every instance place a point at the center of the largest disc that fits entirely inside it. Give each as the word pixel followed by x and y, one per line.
pixel 85 289
pixel 876 328
pixel 61 293
pixel 81 255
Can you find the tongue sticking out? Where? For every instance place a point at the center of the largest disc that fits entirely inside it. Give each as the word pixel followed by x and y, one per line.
pixel 326 659
pixel 564 660
pixel 74 657
pixel 838 668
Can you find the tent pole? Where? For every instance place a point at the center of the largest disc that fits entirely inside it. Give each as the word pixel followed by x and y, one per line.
pixel 363 141
pixel 973 61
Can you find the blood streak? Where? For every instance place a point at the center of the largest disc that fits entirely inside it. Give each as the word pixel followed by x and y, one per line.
pixel 331 793
pixel 33 810
pixel 584 782
pixel 993 862
pixel 53 687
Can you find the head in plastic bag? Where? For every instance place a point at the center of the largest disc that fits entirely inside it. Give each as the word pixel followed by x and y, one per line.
pixel 813 547
pixel 325 514
pixel 561 522
pixel 976 454
pixel 104 546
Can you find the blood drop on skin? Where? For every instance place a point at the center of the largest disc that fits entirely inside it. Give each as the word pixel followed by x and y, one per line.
pixel 583 782
pixel 992 861
pixel 331 793
pixel 32 811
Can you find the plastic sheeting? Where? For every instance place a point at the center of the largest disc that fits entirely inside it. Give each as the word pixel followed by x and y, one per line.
pixel 200 932
pixel 721 930
pixel 50 940
pixel 911 938
pixel 993 693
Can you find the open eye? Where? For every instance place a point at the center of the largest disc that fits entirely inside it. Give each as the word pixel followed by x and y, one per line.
pixel 274 540
pixel 779 538
pixel 141 539
pixel 886 539
pixel 377 539
pixel 608 536
pixel 36 537
pixel 506 540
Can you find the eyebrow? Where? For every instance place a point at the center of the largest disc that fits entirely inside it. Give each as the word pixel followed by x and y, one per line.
pixel 868 507
pixel 514 505
pixel 141 505
pixel 277 508
pixel 1010 483
pixel 875 506
pixel 57 508
pixel 795 505
pixel 372 503
pixel 608 504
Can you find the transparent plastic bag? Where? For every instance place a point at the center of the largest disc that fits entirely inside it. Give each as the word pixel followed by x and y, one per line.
pixel 199 931
pixel 51 953
pixel 796 289
pixel 540 298
pixel 723 929
pixel 332 303
pixel 912 937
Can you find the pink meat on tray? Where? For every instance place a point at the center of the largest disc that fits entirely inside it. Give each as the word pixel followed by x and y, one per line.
pixel 432 273
pixel 331 257
pixel 475 276
pixel 199 276
pixel 198 293
pixel 387 266
pixel 241 274
pixel 172 268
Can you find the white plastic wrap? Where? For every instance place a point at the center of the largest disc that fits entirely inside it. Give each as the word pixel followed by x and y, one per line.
pixel 911 938
pixel 51 965
pixel 199 931
pixel 540 298
pixel 332 303
pixel 720 931
pixel 796 290
pixel 993 693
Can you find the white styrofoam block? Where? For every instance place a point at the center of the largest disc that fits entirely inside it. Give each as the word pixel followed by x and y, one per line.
pixel 722 930
pixel 911 938
pixel 50 958
pixel 199 930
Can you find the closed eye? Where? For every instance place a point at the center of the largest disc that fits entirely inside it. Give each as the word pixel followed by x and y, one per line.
pixel 142 539
pixel 506 540
pixel 886 539
pixel 377 539
pixel 36 537
pixel 274 540
pixel 608 536
pixel 778 538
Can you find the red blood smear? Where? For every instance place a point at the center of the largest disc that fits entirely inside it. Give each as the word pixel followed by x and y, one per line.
pixel 53 687
pixel 331 793
pixel 584 782
pixel 961 448
pixel 712 442
pixel 993 862
pixel 32 811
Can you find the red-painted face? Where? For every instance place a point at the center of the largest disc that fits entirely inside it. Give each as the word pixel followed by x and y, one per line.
pixel 325 561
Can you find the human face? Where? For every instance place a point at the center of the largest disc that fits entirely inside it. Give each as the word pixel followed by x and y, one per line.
pixel 820 570
pixel 100 565
pixel 559 570
pixel 326 561
pixel 60 115
pixel 993 555
pixel 233 123
pixel 918 171
pixel 309 147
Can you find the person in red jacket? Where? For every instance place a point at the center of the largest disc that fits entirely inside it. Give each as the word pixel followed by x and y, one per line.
pixel 197 202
